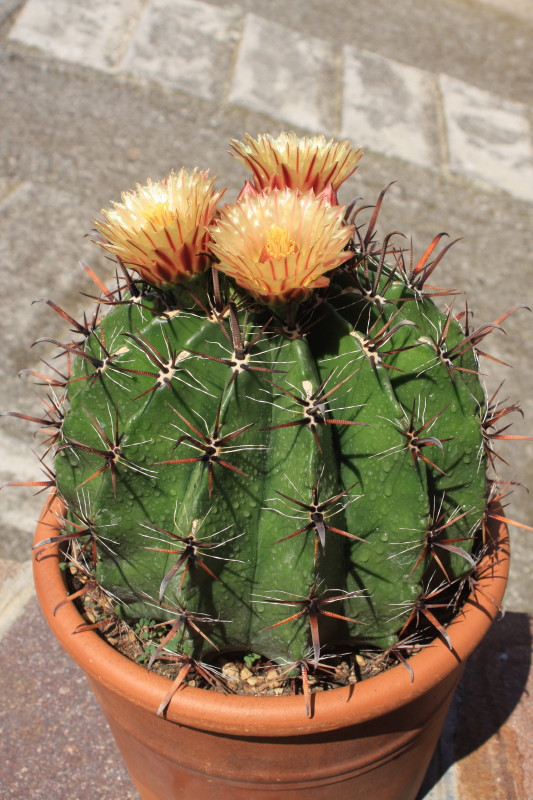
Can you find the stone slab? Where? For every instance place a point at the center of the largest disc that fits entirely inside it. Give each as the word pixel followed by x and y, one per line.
pixel 283 74
pixel 20 506
pixel 16 589
pixel 41 240
pixel 390 108
pixel 8 7
pixel 440 782
pixel 517 8
pixel 489 137
pixel 494 735
pixel 185 44
pixel 485 748
pixel 93 34
pixel 213 52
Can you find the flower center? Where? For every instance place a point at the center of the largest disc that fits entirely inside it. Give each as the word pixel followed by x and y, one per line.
pixel 157 212
pixel 278 244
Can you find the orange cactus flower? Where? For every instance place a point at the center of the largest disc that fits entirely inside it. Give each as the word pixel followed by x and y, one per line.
pixel 278 245
pixel 297 163
pixel 160 229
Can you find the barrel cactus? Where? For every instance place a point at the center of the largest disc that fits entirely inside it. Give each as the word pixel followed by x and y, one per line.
pixel 267 436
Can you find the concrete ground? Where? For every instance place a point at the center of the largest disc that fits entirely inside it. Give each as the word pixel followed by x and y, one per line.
pixel 97 96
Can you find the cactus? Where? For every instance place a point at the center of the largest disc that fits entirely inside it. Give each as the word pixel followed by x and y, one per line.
pixel 268 437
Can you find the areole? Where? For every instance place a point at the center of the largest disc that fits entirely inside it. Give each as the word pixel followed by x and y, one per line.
pixel 375 738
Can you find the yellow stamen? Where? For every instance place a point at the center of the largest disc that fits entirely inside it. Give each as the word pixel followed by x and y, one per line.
pixel 278 243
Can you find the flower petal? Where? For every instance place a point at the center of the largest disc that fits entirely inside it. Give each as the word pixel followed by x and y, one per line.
pixel 297 163
pixel 160 229
pixel 278 245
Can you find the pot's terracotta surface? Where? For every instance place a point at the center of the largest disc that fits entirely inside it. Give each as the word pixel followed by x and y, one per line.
pixel 374 739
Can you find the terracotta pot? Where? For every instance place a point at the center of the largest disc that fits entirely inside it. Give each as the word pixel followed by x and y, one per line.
pixel 374 739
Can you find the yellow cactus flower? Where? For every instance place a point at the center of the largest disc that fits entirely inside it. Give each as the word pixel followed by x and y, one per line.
pixel 297 163
pixel 160 229
pixel 278 245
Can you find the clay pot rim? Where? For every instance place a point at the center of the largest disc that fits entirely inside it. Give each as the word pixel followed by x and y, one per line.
pixel 269 716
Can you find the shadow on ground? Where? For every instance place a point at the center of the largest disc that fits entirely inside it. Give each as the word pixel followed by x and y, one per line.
pixel 492 686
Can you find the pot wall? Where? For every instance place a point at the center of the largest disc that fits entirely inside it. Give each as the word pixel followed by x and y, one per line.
pixel 385 759
pixel 374 739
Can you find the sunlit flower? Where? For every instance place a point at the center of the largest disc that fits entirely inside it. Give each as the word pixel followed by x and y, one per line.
pixel 278 245
pixel 160 229
pixel 297 163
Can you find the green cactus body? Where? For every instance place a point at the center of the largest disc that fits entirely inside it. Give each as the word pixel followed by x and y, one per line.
pixel 443 397
pixel 391 514
pixel 449 391
pixel 268 437
pixel 288 502
pixel 285 453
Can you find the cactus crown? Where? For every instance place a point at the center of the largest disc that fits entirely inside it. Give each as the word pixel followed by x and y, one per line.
pixel 267 436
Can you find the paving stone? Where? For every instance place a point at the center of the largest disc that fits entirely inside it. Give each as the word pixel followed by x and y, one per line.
pixel 518 8
pixel 21 506
pixel 6 187
pixel 390 108
pixel 7 7
pixel 484 750
pixel 488 47
pixel 93 34
pixel 43 236
pixel 41 240
pixel 186 44
pixel 16 589
pixel 440 782
pixel 494 736
pixel 489 137
pixel 286 75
